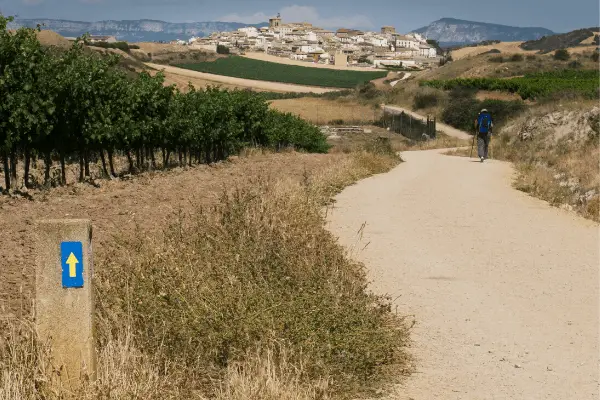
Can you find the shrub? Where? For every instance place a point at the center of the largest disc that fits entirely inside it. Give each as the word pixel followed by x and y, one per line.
pixel 562 55
pixel 516 57
pixel 462 111
pixel 368 91
pixel 531 57
pixel 575 64
pixel 257 270
pixel 222 49
pixel 595 56
pixel 497 59
pixel 425 100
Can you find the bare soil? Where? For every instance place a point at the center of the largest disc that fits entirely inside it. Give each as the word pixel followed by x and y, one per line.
pixel 145 202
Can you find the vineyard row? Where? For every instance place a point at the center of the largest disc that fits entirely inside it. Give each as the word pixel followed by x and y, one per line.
pixel 530 86
pixel 77 105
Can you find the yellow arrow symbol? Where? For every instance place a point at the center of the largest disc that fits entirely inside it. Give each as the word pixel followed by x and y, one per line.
pixel 72 261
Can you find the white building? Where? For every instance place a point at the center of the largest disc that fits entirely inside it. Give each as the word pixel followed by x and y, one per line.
pixel 428 51
pixel 406 41
pixel 250 31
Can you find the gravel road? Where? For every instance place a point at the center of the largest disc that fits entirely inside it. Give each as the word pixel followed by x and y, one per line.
pixel 503 287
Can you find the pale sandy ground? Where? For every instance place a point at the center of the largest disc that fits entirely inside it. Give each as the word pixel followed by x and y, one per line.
pixel 503 287
pixel 242 83
pixel 513 48
pixel 447 129
pixel 504 47
pixel 289 61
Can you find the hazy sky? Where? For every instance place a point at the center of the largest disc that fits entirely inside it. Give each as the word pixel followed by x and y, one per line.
pixel 557 15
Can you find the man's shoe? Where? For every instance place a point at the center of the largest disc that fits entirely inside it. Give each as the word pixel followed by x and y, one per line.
pixel 481 159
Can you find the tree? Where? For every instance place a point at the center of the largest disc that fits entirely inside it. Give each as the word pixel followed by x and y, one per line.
pixel 562 55
pixel 221 49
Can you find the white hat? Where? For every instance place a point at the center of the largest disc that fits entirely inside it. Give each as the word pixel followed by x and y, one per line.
pixel 484 110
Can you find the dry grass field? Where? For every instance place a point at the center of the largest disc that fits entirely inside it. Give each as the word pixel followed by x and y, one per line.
pixel 322 111
pixel 504 47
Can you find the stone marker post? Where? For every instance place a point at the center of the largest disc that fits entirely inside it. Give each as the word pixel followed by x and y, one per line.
pixel 64 304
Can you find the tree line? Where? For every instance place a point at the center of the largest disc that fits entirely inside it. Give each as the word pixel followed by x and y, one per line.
pixel 64 106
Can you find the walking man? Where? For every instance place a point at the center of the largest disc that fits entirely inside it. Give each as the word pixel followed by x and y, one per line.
pixel 483 127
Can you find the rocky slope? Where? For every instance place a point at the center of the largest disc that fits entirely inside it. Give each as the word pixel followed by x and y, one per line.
pixel 132 31
pixel 455 31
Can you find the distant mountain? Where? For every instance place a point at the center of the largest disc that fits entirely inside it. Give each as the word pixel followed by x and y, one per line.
pixel 133 31
pixel 456 31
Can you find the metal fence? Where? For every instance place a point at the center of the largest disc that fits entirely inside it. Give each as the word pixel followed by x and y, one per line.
pixel 409 126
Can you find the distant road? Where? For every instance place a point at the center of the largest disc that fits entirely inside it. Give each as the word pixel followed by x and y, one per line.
pixel 242 83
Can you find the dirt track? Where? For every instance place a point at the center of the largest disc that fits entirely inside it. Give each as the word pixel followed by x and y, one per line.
pixel 242 83
pixel 503 287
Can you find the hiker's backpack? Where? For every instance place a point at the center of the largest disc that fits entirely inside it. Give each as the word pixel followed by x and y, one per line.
pixel 485 120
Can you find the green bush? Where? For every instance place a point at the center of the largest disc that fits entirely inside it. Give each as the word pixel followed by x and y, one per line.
pixel 496 59
pixel 595 56
pixel 462 111
pixel 425 100
pixel 221 49
pixel 516 57
pixel 368 91
pixel 562 55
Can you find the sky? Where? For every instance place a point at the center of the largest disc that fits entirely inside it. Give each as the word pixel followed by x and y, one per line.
pixel 370 14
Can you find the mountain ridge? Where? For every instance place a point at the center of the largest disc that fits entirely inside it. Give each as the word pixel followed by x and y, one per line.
pixel 132 30
pixel 459 31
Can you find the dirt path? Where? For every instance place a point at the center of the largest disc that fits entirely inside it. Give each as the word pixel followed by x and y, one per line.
pixel 447 129
pixel 240 82
pixel 503 287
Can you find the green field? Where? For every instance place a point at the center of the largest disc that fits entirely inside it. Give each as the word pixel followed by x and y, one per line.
pixel 241 67
pixel 532 86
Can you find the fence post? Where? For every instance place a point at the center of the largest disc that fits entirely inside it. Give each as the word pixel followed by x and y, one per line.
pixel 64 303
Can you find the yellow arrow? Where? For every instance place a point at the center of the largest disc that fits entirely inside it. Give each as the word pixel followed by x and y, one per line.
pixel 72 261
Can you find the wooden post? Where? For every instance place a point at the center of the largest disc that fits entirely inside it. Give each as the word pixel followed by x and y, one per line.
pixel 64 303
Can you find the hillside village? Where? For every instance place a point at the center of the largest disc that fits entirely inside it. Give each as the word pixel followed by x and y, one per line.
pixel 344 47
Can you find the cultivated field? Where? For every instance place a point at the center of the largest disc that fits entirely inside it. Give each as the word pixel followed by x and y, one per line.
pixel 202 78
pixel 268 71
pixel 289 61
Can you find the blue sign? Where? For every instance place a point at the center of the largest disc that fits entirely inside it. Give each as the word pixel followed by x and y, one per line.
pixel 71 255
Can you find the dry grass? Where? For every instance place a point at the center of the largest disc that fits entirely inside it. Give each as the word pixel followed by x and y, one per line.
pixel 250 298
pixel 322 111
